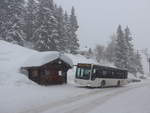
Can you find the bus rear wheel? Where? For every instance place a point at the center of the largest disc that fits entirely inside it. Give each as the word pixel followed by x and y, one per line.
pixel 102 84
pixel 118 83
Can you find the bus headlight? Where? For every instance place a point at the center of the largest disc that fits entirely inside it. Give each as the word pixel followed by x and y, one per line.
pixel 88 84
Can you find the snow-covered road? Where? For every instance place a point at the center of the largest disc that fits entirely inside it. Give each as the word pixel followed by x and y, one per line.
pixel 92 101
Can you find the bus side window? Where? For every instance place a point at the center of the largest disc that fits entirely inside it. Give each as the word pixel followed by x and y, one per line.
pixel 109 73
pixel 99 73
pixel 125 75
pixel 104 74
pixel 112 74
pixel 117 74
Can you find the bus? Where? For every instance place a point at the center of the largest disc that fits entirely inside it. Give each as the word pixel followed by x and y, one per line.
pixel 99 76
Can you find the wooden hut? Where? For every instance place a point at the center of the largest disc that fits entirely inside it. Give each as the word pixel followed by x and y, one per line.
pixel 47 68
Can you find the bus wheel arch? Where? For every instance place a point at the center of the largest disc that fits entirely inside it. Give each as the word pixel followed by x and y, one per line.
pixel 103 82
pixel 118 83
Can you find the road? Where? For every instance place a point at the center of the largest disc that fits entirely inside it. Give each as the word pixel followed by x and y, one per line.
pixel 85 103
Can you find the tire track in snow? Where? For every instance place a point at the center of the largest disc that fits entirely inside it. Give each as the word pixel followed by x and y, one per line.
pixel 99 100
pixel 63 105
pixel 42 108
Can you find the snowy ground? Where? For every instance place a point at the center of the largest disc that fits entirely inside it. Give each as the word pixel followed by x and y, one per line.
pixel 136 100
pixel 128 99
pixel 20 95
pixel 133 98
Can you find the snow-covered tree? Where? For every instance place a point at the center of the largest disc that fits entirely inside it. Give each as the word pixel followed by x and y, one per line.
pixel 30 20
pixel 73 41
pixel 99 53
pixel 62 37
pixel 121 57
pixel 138 62
pixel 125 55
pixel 12 21
pixel 90 53
pixel 39 23
pixel 131 66
pixel 46 34
pixel 110 49
pixel 67 32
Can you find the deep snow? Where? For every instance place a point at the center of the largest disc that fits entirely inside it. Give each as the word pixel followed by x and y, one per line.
pixel 18 94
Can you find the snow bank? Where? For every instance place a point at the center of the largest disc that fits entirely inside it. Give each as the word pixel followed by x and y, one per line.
pixel 11 58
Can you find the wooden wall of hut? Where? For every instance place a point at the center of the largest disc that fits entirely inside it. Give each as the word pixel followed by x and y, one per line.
pixel 50 73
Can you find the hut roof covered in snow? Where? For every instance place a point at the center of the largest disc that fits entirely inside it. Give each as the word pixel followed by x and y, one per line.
pixel 42 58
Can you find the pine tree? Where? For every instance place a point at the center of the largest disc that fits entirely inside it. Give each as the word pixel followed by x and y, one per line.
pixel 12 21
pixel 39 22
pixel 62 39
pixel 67 32
pixel 138 60
pixel 30 20
pixel 90 51
pixel 131 66
pixel 73 41
pixel 121 50
pixel 110 50
pixel 3 18
pixel 99 53
pixel 46 34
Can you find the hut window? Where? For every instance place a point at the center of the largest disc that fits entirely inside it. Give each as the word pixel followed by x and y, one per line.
pixel 46 72
pixel 60 73
pixel 34 73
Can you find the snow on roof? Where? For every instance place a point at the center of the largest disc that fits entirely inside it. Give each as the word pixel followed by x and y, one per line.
pixel 42 58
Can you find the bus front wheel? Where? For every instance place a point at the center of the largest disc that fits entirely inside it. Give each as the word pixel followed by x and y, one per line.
pixel 102 84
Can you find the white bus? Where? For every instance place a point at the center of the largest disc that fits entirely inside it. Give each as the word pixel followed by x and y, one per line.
pixel 99 76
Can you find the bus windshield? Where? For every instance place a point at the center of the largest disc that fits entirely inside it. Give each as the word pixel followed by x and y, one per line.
pixel 83 73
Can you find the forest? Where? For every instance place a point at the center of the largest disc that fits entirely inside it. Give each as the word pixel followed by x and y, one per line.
pixel 44 26
pixel 40 24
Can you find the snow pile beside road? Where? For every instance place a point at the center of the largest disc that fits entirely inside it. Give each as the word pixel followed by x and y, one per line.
pixel 11 58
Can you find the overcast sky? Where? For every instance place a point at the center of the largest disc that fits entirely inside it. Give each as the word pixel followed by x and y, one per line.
pixel 98 19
